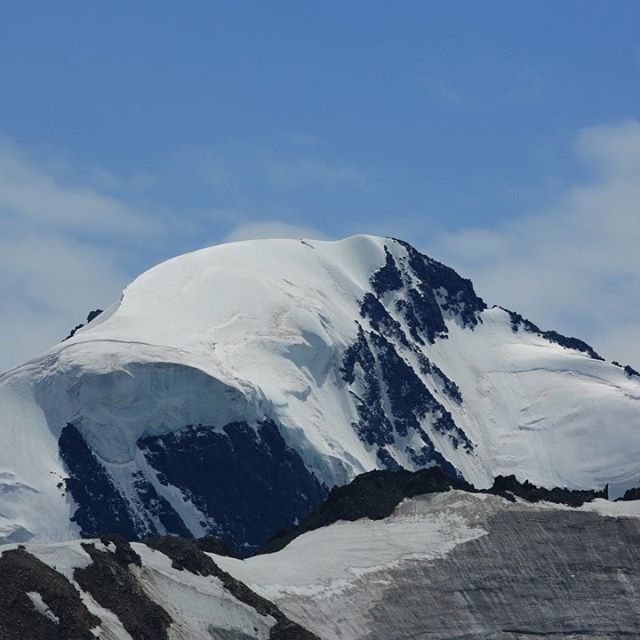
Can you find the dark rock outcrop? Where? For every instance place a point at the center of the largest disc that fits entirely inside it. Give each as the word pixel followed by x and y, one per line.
pixel 372 495
pixel 377 369
pixel 376 494
pixel 91 315
pixel 185 555
pixel 211 544
pixel 388 277
pixel 628 369
pixel 385 368
pixel 630 494
pixel 511 488
pixel 101 507
pixel 245 480
pixel 439 290
pixel 68 618
pixel 112 585
pixel 518 322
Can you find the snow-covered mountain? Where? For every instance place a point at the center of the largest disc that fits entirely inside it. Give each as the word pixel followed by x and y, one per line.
pixel 229 388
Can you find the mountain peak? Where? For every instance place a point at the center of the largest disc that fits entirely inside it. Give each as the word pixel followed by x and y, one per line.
pixel 235 385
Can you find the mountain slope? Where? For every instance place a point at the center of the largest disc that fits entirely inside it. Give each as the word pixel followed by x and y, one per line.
pixel 230 388
pixel 167 589
pixel 461 566
pixel 442 564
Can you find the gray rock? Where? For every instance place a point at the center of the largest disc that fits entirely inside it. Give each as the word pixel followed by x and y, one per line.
pixel 540 571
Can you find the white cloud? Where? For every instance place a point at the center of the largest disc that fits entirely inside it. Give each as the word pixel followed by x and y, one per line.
pixel 252 170
pixel 29 192
pixel 69 234
pixel 272 229
pixel 574 266
pixel 46 280
pixel 56 263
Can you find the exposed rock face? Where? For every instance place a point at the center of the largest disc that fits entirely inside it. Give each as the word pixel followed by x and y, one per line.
pixel 536 574
pixel 372 495
pixel 509 487
pixel 115 588
pixel 521 572
pixel 101 507
pixel 245 483
pixel 90 316
pixel 110 589
pixel 631 494
pixel 406 310
pixel 376 494
pixel 518 322
pixel 186 555
pixel 38 603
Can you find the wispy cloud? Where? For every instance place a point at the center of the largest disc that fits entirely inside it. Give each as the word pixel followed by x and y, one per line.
pixel 254 174
pixel 63 246
pixel 253 170
pixel 72 235
pixel 30 193
pixel 69 238
pixel 574 265
pixel 272 229
pixel 46 280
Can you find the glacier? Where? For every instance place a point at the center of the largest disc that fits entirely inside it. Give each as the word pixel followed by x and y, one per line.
pixel 235 385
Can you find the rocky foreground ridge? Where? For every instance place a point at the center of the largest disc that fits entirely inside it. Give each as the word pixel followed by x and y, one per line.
pixel 391 555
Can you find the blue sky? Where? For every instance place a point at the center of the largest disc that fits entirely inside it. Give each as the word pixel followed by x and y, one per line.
pixel 500 137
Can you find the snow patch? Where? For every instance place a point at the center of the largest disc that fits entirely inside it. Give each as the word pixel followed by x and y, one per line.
pixel 41 606
pixel 329 560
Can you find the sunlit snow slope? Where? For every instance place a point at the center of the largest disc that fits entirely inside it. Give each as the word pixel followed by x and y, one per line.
pixel 230 387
